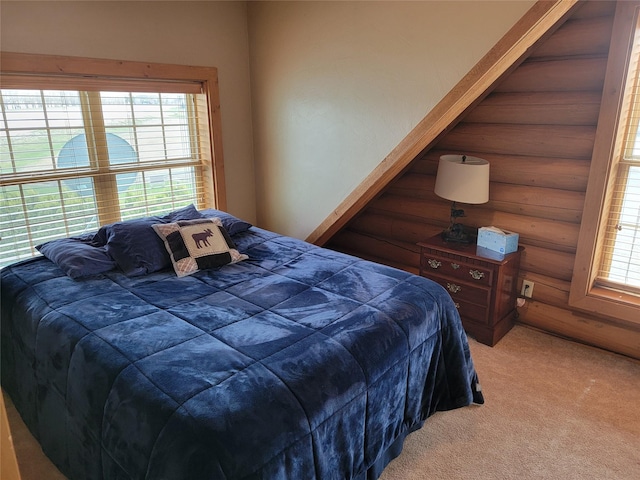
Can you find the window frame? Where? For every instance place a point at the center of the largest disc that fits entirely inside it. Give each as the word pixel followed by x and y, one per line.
pixel 107 72
pixel 584 293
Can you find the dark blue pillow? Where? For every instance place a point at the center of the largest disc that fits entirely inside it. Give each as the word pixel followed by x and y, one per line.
pixel 77 257
pixel 134 245
pixel 231 224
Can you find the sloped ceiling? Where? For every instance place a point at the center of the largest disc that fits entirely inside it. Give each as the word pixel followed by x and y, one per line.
pixel 535 26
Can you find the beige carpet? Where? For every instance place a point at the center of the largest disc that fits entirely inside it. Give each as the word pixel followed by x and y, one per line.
pixel 554 410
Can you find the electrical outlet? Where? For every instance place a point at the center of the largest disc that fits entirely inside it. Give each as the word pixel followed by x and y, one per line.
pixel 527 288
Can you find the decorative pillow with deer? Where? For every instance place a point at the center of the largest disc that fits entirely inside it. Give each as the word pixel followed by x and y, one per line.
pixel 195 245
pixel 134 245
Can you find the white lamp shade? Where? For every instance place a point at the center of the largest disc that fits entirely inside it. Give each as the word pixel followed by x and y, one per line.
pixel 464 181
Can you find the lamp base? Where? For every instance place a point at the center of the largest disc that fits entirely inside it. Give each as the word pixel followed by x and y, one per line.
pixel 457 233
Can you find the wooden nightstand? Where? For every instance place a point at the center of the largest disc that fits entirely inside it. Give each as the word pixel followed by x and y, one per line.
pixel 482 283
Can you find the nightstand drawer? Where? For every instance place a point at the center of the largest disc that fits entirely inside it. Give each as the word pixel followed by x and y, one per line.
pixel 458 291
pixel 455 268
pixel 482 287
pixel 470 311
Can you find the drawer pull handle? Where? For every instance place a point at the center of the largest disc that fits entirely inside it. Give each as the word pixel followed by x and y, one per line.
pixel 434 263
pixel 453 288
pixel 455 266
pixel 457 305
pixel 476 274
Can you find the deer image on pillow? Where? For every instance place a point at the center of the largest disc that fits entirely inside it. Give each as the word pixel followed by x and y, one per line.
pixel 201 238
pixel 198 244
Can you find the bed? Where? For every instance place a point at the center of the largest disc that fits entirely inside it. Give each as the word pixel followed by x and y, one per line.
pixel 282 360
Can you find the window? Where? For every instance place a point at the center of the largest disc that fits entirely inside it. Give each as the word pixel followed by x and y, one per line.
pixel 101 143
pixel 620 266
pixel 607 269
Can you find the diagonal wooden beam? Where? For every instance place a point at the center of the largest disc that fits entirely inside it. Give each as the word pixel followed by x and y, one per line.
pixel 541 19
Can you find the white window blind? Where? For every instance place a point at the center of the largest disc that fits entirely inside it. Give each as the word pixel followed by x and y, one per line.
pixel 72 160
pixel 620 266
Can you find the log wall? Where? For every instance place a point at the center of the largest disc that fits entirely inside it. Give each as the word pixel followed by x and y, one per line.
pixel 537 129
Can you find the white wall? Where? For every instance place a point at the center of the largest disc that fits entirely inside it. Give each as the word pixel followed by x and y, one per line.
pixel 179 32
pixel 337 85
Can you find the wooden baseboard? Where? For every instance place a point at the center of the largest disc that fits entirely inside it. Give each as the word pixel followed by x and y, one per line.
pixel 581 327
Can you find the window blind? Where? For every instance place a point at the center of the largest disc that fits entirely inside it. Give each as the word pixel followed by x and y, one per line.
pixel 72 160
pixel 620 265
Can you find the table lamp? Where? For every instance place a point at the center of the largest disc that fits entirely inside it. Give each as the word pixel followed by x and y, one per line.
pixel 463 179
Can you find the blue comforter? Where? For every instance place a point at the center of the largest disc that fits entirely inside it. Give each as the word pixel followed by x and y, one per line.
pixel 299 363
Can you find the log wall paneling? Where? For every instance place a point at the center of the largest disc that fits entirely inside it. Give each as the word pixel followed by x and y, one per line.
pixel 576 75
pixel 396 254
pixel 540 21
pixel 564 141
pixel 569 40
pixel 554 204
pixel 546 261
pixel 561 173
pixel 538 108
pixel 537 129
pixel 535 230
pixel 580 326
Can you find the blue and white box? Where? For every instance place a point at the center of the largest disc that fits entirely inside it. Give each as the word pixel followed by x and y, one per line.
pixel 498 240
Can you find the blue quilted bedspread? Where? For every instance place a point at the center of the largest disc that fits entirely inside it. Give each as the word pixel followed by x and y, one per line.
pixel 300 363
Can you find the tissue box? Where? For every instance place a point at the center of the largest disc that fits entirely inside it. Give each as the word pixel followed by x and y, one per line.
pixel 498 240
